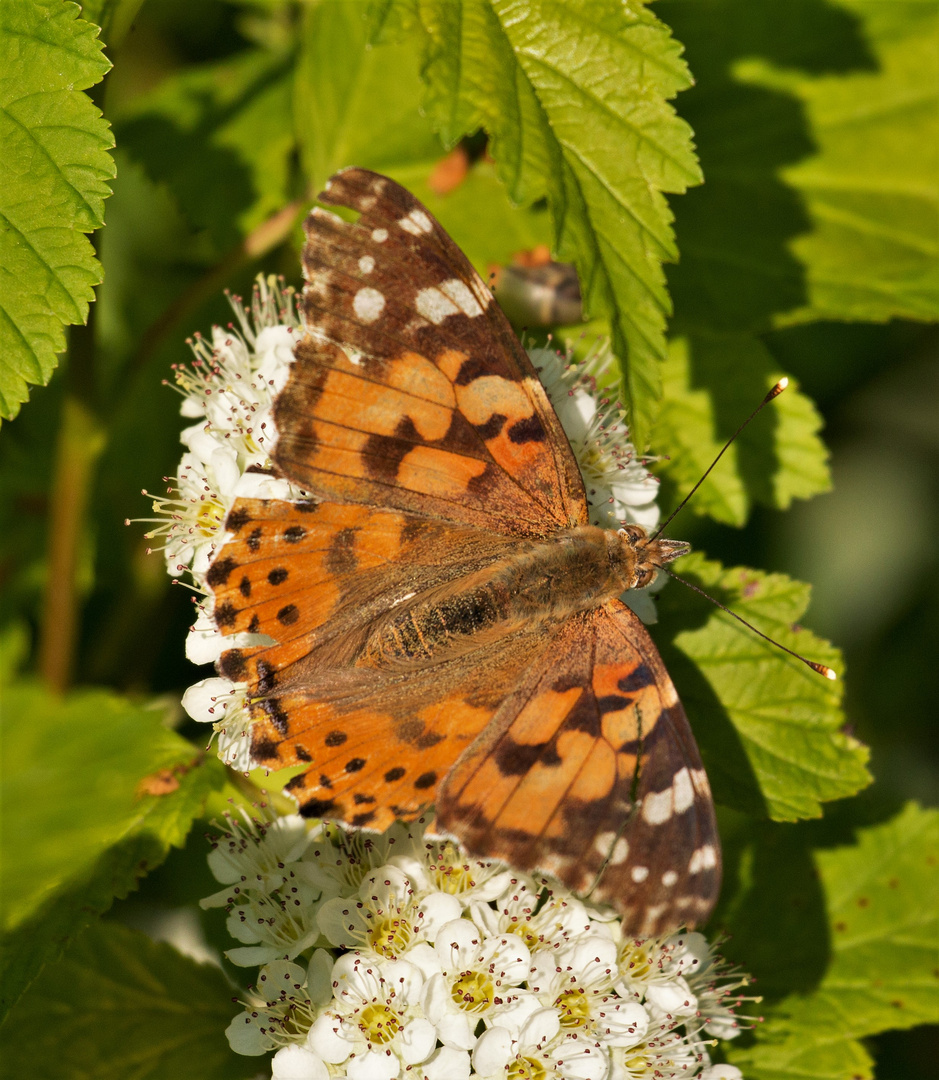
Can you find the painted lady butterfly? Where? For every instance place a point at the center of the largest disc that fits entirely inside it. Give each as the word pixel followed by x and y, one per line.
pixel 447 622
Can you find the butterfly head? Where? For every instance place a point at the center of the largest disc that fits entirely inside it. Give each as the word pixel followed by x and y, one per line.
pixel 650 555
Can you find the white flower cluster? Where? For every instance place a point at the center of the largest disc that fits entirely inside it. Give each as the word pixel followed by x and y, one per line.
pixel 394 955
pixel 229 389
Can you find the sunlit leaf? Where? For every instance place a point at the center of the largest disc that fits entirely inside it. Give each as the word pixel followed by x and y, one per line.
pixel 54 173
pixel 95 792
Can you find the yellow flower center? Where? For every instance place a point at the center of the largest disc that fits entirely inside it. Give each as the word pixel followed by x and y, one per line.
pixel 379 1024
pixel 210 517
pixel 390 935
pixel 473 992
pixel 526 1069
pixel 574 1007
pixel 635 961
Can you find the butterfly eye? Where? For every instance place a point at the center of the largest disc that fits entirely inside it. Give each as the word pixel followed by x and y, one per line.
pixel 645 575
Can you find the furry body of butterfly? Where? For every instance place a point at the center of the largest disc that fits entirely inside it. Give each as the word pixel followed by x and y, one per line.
pixel 445 621
pixel 541 582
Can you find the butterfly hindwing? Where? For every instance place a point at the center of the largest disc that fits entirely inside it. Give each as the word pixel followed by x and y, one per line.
pixel 589 772
pixel 409 389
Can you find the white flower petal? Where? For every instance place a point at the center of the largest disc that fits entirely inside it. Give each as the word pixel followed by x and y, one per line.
pixel 674 998
pixel 204 701
pixel 245 1037
pixel 446 1064
pixel 721 1072
pixel 417 1041
pixel 297 1063
pixel 329 1038
pixel 494 1051
pixel 372 1065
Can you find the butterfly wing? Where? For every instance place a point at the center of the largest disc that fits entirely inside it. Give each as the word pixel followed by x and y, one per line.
pixel 589 771
pixel 410 390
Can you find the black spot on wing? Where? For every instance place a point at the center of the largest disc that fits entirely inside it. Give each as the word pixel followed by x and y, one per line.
pixel 317 807
pixel 277 576
pixel 639 678
pixel 383 454
pixel 253 539
pixel 528 430
pixel 492 427
pixel 237 520
pixel 219 571
pixel 273 710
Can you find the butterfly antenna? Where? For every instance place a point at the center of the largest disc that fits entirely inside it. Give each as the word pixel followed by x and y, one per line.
pixel 775 392
pixel 822 669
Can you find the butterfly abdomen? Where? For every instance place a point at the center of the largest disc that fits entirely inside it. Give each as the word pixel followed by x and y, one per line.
pixel 543 581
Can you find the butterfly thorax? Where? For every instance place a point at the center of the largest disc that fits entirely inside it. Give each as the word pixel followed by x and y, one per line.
pixel 536 582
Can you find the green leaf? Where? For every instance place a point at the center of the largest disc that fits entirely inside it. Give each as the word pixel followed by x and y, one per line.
pixel 358 103
pixel 768 727
pixel 119 1004
pixel 80 828
pixel 818 130
pixel 712 383
pixel 53 182
pixel 574 97
pixel 880 924
pixel 221 136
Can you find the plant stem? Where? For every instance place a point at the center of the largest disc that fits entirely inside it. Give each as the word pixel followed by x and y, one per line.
pixel 81 439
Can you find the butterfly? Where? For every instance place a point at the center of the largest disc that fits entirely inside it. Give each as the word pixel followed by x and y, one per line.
pixel 444 623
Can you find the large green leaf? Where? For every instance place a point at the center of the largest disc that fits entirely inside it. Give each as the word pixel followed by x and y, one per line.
pixel 712 383
pixel 575 98
pixel 221 136
pixel 54 170
pixel 818 130
pixel 769 728
pixel 119 1004
pixel 80 826
pixel 857 941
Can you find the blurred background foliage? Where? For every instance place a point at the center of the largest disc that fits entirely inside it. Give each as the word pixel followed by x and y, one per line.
pixel 206 101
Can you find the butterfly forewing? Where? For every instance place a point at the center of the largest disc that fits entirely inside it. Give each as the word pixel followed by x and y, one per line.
pixel 413 646
pixel 410 389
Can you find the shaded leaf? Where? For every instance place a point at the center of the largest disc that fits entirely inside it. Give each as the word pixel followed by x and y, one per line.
pixel 80 825
pixel 575 99
pixel 124 1005
pixel 221 136
pixel 768 726
pixel 712 383
pixel 881 917
pixel 818 129
pixel 357 103
pixel 53 182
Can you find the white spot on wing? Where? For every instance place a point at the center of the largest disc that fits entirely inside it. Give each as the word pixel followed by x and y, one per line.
pixel 700 780
pixel 368 304
pixel 416 222
pixel 669 878
pixel 461 295
pixel 434 306
pixel 366 264
pixel 620 852
pixel 604 841
pixel 379 235
pixel 657 807
pixel 684 792
pixel 639 874
pixel 704 858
